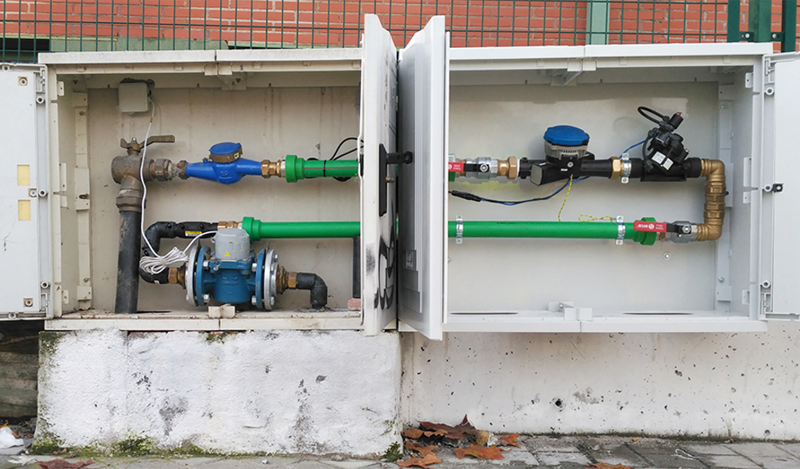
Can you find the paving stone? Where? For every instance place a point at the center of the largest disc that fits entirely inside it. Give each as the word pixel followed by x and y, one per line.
pixel 517 457
pixel 619 454
pixel 708 449
pixel 791 448
pixel 447 456
pixel 349 464
pixel 663 457
pixel 757 450
pixel 556 458
pixel 732 462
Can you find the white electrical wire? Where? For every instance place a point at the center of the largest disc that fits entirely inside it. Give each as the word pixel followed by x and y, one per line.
pixel 156 263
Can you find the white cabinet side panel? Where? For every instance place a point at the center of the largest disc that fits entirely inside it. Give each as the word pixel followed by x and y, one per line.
pixel 19 207
pixel 378 126
pixel 423 96
pixel 786 266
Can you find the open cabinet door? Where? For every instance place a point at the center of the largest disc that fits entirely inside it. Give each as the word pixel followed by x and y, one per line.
pixel 378 205
pixel 423 184
pixel 780 188
pixel 24 216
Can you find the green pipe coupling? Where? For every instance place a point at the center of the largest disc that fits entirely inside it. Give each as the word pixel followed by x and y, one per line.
pixel 316 229
pixel 297 168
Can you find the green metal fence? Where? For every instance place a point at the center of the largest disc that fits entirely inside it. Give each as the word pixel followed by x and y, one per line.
pixel 31 26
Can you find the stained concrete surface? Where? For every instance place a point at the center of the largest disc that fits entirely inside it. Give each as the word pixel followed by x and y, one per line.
pixel 540 452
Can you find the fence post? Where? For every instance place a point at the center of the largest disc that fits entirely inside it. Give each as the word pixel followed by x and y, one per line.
pixel 789 24
pixel 733 21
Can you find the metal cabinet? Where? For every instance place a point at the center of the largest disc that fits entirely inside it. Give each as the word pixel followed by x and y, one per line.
pixel 739 103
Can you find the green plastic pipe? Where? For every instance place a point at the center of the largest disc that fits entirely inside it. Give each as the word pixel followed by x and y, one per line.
pixel 258 229
pixel 297 168
pixel 471 229
pixel 549 229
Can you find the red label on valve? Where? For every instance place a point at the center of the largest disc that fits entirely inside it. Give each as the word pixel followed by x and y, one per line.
pixel 657 227
pixel 455 166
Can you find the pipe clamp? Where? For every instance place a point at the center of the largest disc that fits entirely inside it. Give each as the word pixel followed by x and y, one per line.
pixel 459 230
pixel 626 168
pixel 620 230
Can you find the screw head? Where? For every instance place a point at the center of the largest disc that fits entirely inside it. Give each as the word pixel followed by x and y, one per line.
pixel 484 168
pixel 686 229
pixel 667 256
pixel 253 300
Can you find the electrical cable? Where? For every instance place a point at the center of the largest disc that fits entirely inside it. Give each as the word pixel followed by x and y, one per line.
pixel 569 186
pixel 633 146
pixel 648 114
pixel 337 156
pixel 156 263
pixel 584 218
pixel 510 203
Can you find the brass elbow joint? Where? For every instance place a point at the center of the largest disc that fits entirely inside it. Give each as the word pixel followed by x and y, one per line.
pixel 269 168
pixel 714 209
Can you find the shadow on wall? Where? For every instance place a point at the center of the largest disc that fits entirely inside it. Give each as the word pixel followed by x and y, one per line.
pixel 19 365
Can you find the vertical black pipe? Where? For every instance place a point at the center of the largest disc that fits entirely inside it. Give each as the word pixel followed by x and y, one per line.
pixel 130 238
pixel 357 267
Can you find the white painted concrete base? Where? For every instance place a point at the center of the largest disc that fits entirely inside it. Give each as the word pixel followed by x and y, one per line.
pixel 252 392
pixel 723 385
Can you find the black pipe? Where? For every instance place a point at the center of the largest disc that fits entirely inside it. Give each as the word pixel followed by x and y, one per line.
pixel 130 237
pixel 357 267
pixel 170 230
pixel 314 283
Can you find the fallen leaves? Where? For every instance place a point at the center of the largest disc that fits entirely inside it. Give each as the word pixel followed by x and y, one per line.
pixel 508 440
pixel 479 452
pixel 422 450
pixel 63 464
pixel 452 433
pixel 423 463
pixel 605 465
pixel 415 433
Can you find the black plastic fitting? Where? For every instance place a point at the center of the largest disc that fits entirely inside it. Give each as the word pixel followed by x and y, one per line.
pixel 317 286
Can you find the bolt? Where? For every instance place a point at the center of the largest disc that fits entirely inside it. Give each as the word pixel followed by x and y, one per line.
pixel 253 267
pixel 275 257
pixel 686 229
pixel 271 300
pixel 205 264
pixel 206 298
pixel 253 300
pixel 216 268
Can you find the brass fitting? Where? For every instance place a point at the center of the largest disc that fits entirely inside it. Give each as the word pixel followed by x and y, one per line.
pixel 269 169
pixel 284 280
pixel 714 209
pixel 616 167
pixel 228 224
pixel 177 275
pixel 508 168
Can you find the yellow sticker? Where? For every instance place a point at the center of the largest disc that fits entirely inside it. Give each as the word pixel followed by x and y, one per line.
pixel 24 209
pixel 193 233
pixel 23 175
pixel 227 254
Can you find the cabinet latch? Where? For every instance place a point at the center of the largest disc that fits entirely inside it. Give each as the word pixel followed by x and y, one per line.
pixel 776 187
pixel 384 160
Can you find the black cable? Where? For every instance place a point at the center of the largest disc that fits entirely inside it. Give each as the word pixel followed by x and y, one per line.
pixel 336 156
pixel 648 114
pixel 510 203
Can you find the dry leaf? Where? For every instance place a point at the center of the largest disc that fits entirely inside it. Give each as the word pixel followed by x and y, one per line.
pixel 508 440
pixel 423 463
pixel 492 452
pixel 415 433
pixel 422 450
pixel 453 433
pixel 482 437
pixel 634 439
pixel 605 465
pixel 63 464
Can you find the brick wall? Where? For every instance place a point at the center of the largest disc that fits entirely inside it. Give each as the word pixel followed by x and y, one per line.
pixel 289 23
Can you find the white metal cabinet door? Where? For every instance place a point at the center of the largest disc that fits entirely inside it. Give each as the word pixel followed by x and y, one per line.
pixel 24 226
pixel 378 127
pixel 781 210
pixel 423 94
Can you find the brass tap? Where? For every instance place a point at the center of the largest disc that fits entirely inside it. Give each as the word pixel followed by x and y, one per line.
pixel 714 209
pixel 508 168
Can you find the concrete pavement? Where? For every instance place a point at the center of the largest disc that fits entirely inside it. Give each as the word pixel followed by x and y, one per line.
pixel 534 451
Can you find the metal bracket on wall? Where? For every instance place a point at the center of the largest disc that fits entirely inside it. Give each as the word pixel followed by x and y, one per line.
pixel 385 159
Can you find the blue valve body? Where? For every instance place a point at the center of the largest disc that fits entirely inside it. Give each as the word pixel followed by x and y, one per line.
pixel 227 281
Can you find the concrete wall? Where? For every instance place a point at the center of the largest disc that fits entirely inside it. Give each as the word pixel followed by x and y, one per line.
pixel 719 385
pixel 252 392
